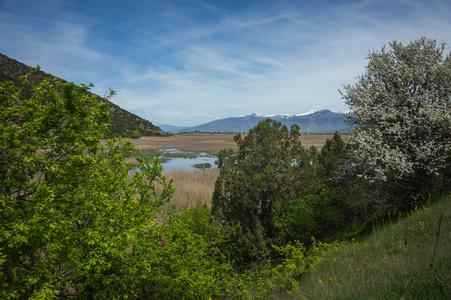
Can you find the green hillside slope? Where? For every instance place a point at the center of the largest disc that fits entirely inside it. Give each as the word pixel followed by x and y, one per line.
pixel 404 256
pixel 123 123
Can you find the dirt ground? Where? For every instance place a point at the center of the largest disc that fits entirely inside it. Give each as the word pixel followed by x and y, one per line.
pixel 212 143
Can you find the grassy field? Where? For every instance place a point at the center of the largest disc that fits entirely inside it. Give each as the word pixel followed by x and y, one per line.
pixel 210 143
pixel 397 257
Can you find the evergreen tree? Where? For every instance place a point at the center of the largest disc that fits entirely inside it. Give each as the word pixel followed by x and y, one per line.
pixel 271 165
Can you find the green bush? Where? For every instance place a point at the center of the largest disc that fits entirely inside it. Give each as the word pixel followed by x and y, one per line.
pixel 73 224
pixel 187 264
pixel 313 214
pixel 135 134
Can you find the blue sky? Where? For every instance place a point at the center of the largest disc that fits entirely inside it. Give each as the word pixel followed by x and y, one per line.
pixel 189 62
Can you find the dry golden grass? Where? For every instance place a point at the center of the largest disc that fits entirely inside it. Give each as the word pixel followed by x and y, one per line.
pixel 209 143
pixel 212 143
pixel 191 187
pixel 318 140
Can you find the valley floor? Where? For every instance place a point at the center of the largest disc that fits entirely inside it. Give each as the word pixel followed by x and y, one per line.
pixel 212 143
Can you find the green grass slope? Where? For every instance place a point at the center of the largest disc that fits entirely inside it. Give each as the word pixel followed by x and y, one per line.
pixel 405 256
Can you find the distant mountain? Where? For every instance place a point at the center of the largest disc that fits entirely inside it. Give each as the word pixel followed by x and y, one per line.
pixel 123 123
pixel 323 121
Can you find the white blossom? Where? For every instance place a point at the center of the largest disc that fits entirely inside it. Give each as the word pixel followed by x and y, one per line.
pixel 402 104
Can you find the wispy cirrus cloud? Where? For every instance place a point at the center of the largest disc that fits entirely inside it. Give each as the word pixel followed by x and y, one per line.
pixel 197 60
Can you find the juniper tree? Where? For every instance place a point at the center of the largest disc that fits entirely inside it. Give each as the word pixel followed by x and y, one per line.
pixel 270 166
pixel 332 155
pixel 402 104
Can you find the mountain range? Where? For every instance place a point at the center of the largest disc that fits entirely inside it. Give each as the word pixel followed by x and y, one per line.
pixel 123 123
pixel 322 121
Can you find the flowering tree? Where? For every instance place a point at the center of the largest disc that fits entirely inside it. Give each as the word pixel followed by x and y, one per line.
pixel 403 106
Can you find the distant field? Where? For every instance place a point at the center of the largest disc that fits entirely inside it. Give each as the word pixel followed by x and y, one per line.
pixel 211 143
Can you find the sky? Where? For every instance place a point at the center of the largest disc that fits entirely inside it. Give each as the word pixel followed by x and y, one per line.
pixel 188 62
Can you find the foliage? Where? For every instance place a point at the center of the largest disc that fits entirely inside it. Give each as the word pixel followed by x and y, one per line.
pixel 332 155
pixel 403 107
pixel 135 134
pixel 297 259
pixel 394 259
pixel 75 224
pixel 312 214
pixel 71 223
pixel 192 262
pixel 188 264
pixel 352 197
pixel 270 165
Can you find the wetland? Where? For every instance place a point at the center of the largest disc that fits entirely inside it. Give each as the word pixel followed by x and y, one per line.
pixel 190 151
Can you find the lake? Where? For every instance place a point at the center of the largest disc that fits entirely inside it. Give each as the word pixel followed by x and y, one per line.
pixel 174 159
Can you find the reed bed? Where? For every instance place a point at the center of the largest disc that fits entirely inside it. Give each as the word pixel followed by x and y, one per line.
pixel 210 143
pixel 191 187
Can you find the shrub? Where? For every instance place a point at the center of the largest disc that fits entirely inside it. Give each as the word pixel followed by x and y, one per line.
pixel 313 214
pixel 187 264
pixel 72 224
pixel 135 134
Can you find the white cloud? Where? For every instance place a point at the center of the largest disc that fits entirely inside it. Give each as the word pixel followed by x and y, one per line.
pixel 198 62
pixel 287 73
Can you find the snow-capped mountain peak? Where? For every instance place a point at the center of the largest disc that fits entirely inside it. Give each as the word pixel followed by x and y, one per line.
pixel 280 116
pixel 307 113
pixel 322 121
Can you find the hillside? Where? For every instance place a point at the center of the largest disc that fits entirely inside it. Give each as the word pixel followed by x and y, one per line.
pixel 323 121
pixel 403 256
pixel 123 123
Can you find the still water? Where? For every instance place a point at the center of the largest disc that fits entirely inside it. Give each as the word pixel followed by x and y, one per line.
pixel 174 159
